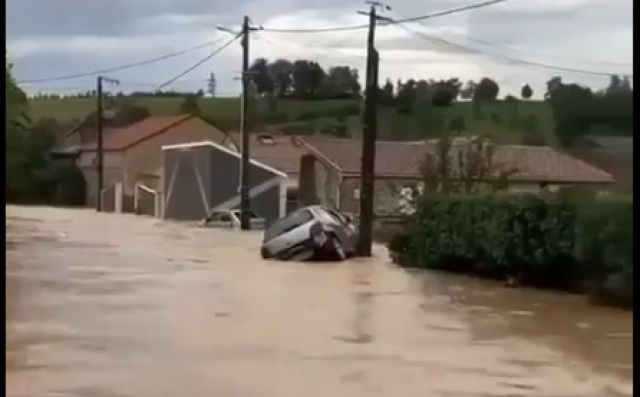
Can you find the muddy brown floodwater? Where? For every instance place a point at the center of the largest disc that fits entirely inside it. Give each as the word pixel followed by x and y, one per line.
pixel 113 305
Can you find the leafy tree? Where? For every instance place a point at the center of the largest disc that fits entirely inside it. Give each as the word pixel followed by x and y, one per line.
pixel 212 85
pixel 552 85
pixel 486 91
pixel 281 73
pixel 422 96
pixel 451 167
pixel 406 95
pixel 261 77
pixel 526 92
pixel 445 92
pixel 469 90
pixel 308 78
pixel 16 125
pixel 342 81
pixel 572 106
pixel 386 93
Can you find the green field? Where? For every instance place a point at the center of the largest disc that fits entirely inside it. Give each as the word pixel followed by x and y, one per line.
pixel 500 120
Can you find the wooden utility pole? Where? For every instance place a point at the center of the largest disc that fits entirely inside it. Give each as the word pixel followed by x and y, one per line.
pixel 245 199
pixel 369 136
pixel 100 139
pixel 99 148
pixel 245 154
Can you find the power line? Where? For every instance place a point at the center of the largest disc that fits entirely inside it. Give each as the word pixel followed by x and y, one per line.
pixel 329 48
pixel 512 60
pixel 120 67
pixel 515 49
pixel 388 23
pixel 200 62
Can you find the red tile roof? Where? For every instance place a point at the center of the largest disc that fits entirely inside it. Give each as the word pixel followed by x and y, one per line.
pixel 125 137
pixel 404 159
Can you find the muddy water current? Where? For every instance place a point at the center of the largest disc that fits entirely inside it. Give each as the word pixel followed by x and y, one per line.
pixel 105 305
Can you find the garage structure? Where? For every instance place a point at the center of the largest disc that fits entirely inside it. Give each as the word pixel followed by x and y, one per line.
pixel 204 176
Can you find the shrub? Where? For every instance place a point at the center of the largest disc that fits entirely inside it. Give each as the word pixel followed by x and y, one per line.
pixel 605 249
pixel 541 241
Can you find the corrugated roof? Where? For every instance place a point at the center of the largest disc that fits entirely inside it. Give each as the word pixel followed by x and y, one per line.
pixel 404 160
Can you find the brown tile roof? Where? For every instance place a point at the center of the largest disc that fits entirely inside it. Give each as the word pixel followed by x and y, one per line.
pixel 279 151
pixel 403 159
pixel 125 137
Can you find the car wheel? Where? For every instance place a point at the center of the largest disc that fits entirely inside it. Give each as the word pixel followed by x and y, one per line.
pixel 265 253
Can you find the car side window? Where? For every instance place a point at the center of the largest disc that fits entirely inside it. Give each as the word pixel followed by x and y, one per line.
pixel 224 218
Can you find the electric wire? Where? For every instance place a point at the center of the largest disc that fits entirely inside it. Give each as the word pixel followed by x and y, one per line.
pixel 197 64
pixel 520 50
pixel 508 59
pixel 120 67
pixel 388 23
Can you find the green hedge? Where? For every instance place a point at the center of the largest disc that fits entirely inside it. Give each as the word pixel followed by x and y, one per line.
pixel 538 241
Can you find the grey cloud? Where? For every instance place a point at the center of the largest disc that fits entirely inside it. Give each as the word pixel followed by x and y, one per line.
pixel 29 18
pixel 536 29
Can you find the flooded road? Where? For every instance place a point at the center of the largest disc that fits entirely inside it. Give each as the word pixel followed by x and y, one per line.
pixel 121 306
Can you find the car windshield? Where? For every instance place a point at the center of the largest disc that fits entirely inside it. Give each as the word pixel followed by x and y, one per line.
pixel 287 223
pixel 335 216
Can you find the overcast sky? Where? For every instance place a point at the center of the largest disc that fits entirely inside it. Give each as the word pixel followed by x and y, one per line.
pixel 53 38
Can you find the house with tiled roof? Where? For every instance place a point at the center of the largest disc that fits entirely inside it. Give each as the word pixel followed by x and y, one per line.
pixel 280 151
pixel 333 176
pixel 133 154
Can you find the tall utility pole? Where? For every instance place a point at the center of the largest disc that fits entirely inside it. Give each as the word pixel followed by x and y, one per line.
pixel 369 135
pixel 99 148
pixel 245 75
pixel 245 200
pixel 100 139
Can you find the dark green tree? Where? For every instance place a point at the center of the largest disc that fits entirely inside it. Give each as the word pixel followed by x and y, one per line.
pixel 281 73
pixel 486 91
pixel 261 77
pixel 572 107
pixel 526 92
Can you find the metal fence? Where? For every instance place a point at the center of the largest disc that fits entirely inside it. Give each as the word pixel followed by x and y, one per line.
pixel 147 201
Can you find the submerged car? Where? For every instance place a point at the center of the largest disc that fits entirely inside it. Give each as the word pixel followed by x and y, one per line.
pixel 231 219
pixel 313 232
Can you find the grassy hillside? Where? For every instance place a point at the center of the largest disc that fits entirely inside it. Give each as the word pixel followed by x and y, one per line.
pixel 501 120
